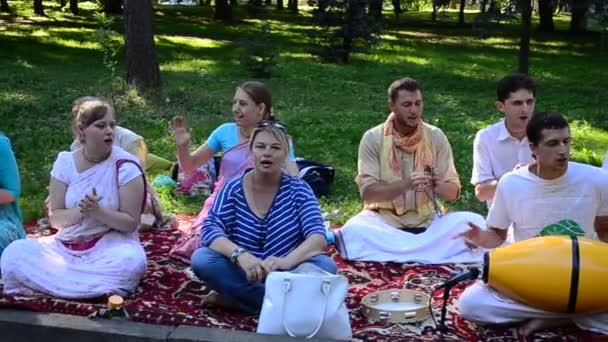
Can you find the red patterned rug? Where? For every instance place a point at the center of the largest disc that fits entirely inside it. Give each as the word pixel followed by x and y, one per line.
pixel 170 294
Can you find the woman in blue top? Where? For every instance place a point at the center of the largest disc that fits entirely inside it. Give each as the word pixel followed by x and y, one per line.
pixel 252 103
pixel 263 221
pixel 11 227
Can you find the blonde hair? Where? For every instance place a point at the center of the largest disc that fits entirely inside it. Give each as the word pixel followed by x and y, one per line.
pixel 278 133
pixel 88 109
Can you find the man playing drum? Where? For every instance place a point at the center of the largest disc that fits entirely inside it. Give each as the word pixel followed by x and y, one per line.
pixel 534 200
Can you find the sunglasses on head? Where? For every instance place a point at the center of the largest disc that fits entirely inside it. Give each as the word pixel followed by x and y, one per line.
pixel 268 123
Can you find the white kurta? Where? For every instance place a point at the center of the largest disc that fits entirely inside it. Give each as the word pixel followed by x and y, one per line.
pixel 114 265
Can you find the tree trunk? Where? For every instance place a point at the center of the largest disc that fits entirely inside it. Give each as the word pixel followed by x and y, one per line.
pixel 112 6
pixel 292 5
pixel 208 2
pixel 74 7
pixel 375 9
pixel 483 5
pixel 62 3
pixel 4 6
pixel 578 20
pixel 524 42
pixel 142 67
pixel 323 5
pixel 268 2
pixel 463 3
pixel 397 8
pixel 434 14
pixel 38 8
pixel 223 11
pixel 493 8
pixel 280 5
pixel 233 3
pixel 545 12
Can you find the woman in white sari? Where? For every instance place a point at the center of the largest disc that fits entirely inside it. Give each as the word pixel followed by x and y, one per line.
pixel 96 197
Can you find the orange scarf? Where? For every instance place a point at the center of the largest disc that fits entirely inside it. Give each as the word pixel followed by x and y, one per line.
pixel 418 143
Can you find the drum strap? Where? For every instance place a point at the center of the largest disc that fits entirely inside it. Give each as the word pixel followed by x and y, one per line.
pixel 574 276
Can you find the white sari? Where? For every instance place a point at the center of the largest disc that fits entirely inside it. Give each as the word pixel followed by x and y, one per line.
pixel 114 264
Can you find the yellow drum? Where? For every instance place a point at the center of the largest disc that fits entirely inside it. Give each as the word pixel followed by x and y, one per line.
pixel 554 273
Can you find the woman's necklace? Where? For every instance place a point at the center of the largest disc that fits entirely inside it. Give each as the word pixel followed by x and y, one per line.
pixel 242 133
pixel 92 160
pixel 262 213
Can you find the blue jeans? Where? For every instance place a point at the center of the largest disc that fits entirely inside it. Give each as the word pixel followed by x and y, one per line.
pixel 230 280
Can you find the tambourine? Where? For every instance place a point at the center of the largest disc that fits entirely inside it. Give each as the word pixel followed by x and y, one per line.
pixel 396 306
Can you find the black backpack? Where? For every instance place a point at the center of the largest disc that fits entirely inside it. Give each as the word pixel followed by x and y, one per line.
pixel 318 176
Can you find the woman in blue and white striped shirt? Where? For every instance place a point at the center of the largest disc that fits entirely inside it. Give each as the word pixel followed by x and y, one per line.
pixel 262 221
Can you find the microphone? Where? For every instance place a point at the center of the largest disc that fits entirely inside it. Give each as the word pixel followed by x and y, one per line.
pixel 472 273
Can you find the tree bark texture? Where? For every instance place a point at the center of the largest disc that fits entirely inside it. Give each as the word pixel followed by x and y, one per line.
pixel 545 12
pixel 38 8
pixel 4 6
pixel 142 66
pixel 74 7
pixel 223 11
pixel 578 19
pixel 375 9
pixel 292 5
pixel 524 42
pixel 463 3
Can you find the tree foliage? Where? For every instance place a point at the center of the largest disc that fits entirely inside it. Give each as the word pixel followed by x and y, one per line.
pixel 344 28
pixel 260 54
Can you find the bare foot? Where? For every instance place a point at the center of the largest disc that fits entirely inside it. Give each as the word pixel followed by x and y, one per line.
pixel 527 329
pixel 215 299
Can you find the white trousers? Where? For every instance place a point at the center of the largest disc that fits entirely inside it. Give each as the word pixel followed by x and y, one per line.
pixel 367 237
pixel 481 304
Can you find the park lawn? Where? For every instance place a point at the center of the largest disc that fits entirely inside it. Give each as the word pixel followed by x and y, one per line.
pixel 47 62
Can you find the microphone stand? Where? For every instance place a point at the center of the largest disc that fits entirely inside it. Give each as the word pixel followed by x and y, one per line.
pixel 441 327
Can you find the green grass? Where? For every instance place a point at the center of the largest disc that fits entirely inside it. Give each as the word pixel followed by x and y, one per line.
pixel 47 62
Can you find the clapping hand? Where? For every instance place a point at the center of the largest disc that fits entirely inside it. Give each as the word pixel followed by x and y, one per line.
pixel 181 136
pixel 90 203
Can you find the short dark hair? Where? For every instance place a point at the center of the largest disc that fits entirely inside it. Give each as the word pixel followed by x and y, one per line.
pixel 405 83
pixel 513 83
pixel 541 121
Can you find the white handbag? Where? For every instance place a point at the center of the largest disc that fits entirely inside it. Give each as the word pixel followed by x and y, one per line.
pixel 306 302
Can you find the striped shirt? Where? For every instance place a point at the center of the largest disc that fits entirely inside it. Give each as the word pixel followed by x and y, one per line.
pixel 293 216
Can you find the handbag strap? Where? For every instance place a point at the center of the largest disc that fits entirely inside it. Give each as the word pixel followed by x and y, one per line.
pixel 325 287
pixel 119 163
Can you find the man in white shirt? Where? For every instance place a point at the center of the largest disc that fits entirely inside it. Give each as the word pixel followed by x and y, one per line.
pixel 529 199
pixel 503 146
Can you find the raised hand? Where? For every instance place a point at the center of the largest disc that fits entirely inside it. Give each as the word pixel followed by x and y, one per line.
pixel 181 136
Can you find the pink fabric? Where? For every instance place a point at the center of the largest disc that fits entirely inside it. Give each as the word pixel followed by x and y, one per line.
pixel 82 246
pixel 234 161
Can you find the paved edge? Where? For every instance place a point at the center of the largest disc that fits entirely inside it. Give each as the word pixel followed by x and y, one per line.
pixel 27 326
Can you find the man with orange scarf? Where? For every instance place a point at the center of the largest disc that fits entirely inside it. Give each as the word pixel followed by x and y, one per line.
pixel 405 165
